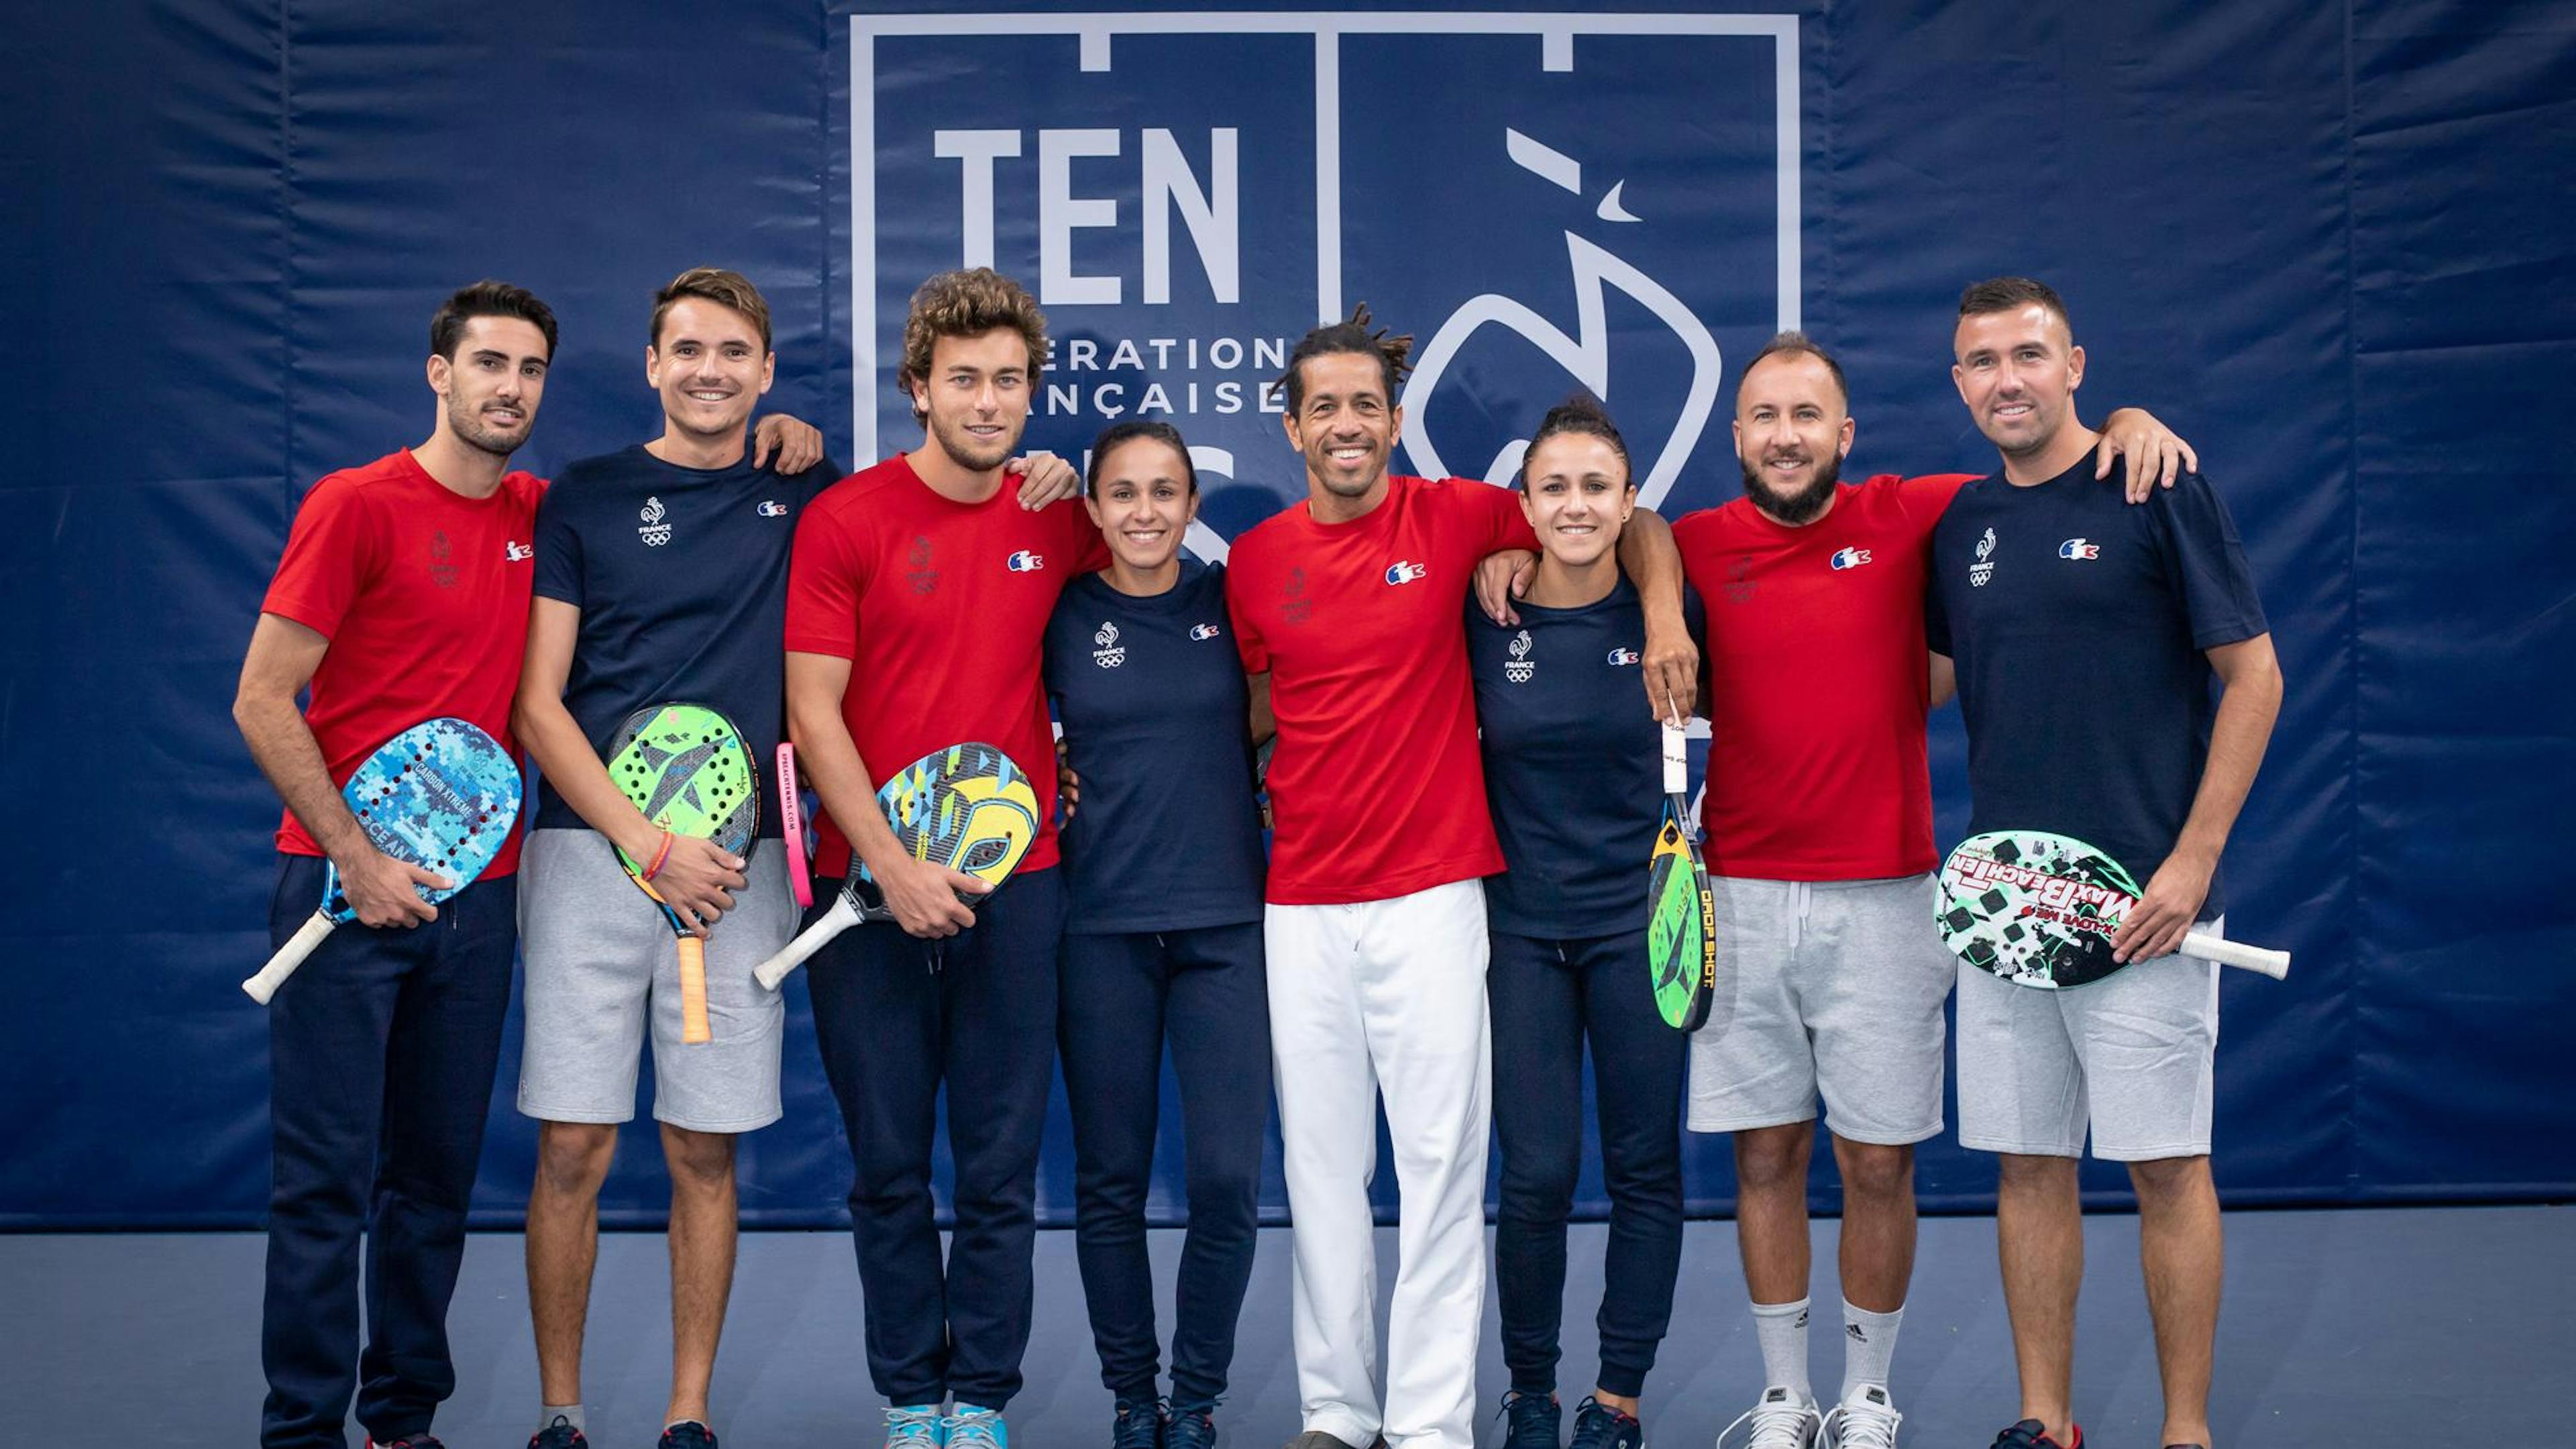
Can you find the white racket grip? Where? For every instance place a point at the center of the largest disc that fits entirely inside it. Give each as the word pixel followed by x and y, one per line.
pixel 1676 759
pixel 289 956
pixel 2275 964
pixel 841 917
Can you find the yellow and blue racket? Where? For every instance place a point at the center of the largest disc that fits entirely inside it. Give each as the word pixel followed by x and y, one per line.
pixel 966 807
pixel 1681 920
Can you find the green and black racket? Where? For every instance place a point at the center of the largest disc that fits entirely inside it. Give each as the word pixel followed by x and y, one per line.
pixel 1681 925
pixel 686 767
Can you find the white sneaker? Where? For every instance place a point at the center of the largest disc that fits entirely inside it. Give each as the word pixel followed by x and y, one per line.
pixel 1782 1420
pixel 1866 1420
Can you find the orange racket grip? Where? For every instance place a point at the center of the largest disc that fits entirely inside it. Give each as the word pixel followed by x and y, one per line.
pixel 694 1027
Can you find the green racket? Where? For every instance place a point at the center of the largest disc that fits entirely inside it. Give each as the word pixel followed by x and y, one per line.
pixel 685 766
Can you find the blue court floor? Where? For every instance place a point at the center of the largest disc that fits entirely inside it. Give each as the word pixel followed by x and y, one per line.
pixel 2353 1328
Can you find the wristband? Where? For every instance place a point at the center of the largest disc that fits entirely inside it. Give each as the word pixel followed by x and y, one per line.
pixel 660 857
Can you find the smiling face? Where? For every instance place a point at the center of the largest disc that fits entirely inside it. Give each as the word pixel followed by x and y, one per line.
pixel 710 366
pixel 1576 494
pixel 2018 371
pixel 1792 431
pixel 1143 502
pixel 975 400
pixel 488 390
pixel 1345 424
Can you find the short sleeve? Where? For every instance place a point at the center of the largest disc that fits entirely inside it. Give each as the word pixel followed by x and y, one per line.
pixel 1495 520
pixel 1923 500
pixel 826 575
pixel 1247 634
pixel 333 553
pixel 559 557
pixel 2205 562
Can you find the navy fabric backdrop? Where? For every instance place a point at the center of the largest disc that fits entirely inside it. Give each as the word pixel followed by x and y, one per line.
pixel 2328 243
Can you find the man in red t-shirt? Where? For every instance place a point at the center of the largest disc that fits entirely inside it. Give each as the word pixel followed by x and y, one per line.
pixel 402 597
pixel 917 605
pixel 1818 826
pixel 1375 929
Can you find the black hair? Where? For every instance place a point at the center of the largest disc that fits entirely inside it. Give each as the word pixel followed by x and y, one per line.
pixel 1117 435
pixel 1582 413
pixel 1349 335
pixel 487 298
pixel 2011 294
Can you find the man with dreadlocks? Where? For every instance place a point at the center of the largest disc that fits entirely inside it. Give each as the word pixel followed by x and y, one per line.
pixel 1375 917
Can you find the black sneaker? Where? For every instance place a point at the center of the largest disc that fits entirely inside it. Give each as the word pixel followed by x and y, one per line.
pixel 558 1435
pixel 1139 1425
pixel 2032 1434
pixel 1533 1420
pixel 688 1434
pixel 1191 1426
pixel 1599 1426
pixel 416 1441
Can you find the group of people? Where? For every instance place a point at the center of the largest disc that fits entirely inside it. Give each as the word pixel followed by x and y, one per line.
pixel 1462 687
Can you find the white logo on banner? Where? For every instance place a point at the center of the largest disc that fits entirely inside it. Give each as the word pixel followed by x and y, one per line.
pixel 1139 203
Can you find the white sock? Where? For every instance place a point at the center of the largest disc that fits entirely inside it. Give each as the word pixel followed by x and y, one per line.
pixel 1781 1329
pixel 570 1413
pixel 1869 1341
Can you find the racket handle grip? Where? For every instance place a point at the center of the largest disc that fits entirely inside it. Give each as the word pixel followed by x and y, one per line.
pixel 1676 759
pixel 289 956
pixel 695 1029
pixel 841 917
pixel 2275 964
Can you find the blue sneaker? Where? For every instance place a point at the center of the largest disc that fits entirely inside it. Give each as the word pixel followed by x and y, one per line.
pixel 1532 1421
pixel 1191 1426
pixel 1598 1426
pixel 975 1428
pixel 1139 1425
pixel 915 1426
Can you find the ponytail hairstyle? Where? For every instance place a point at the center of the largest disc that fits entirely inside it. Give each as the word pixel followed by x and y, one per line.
pixel 1581 412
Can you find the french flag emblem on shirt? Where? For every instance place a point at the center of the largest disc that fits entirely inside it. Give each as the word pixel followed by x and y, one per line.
pixel 1403 572
pixel 1026 562
pixel 2079 548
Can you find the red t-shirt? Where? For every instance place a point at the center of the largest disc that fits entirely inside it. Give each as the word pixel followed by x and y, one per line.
pixel 1816 669
pixel 1375 786
pixel 941 608
pixel 424 597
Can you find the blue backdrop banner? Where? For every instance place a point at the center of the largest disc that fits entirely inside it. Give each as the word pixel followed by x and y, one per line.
pixel 2323 242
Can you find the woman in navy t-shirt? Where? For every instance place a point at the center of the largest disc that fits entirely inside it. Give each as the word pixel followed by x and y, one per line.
pixel 1573 774
pixel 1162 940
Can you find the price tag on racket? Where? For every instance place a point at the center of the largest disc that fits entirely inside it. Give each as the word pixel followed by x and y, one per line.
pixel 2039 910
pixel 966 807
pixel 1681 921
pixel 796 828
pixel 441 796
pixel 685 766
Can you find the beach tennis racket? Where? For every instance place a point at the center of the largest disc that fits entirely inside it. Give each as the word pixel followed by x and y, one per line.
pixel 440 796
pixel 1681 925
pixel 966 807
pixel 2039 910
pixel 792 828
pixel 685 766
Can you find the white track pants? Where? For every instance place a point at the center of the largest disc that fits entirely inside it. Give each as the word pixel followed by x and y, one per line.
pixel 1385 995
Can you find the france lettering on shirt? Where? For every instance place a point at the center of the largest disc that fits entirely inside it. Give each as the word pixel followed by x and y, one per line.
pixel 1572 765
pixel 2078 622
pixel 1153 702
pixel 681 578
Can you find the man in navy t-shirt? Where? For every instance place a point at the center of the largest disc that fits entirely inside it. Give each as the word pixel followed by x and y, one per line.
pixel 661 577
pixel 2084 633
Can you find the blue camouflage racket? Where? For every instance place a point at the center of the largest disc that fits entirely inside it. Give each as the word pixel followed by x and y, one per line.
pixel 441 796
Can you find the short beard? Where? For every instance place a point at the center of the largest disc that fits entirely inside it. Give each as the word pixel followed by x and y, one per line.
pixel 961 447
pixel 470 431
pixel 1796 508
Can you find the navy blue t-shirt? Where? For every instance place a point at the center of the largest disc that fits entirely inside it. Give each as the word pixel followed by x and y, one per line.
pixel 2078 622
pixel 681 578
pixel 1573 765
pixel 1154 706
